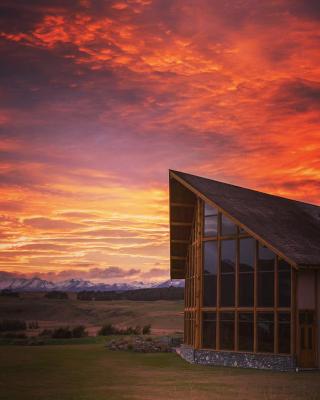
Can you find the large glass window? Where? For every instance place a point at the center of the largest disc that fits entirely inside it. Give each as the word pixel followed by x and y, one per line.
pixel 209 330
pixel 210 273
pixel 245 332
pixel 228 265
pixel 284 332
pixel 228 228
pixel 210 221
pixel 284 281
pixel 266 260
pixel 227 330
pixel 265 328
pixel 246 272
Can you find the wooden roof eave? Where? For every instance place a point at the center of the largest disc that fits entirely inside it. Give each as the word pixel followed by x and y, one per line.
pixel 253 234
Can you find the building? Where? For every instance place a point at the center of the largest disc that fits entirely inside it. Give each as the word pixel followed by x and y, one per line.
pixel 251 264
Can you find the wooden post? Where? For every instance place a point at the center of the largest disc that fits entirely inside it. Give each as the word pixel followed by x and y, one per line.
pixel 275 306
pixel 255 319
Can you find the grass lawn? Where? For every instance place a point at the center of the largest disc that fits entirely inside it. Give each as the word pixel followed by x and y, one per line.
pixel 90 372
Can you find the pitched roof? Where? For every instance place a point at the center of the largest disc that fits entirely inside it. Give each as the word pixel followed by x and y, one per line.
pixel 288 226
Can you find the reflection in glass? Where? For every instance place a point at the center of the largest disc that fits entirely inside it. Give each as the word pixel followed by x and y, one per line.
pixel 246 331
pixel 266 260
pixel 227 331
pixel 284 332
pixel 228 263
pixel 227 226
pixel 265 329
pixel 284 281
pixel 209 330
pixel 246 272
pixel 210 221
pixel 210 274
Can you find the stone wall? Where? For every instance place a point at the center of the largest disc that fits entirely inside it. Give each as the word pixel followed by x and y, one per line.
pixel 238 359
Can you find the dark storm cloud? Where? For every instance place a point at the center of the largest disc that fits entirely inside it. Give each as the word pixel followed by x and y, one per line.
pixel 305 9
pixel 297 96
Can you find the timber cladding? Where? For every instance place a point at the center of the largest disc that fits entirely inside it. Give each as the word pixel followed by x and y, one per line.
pixel 240 286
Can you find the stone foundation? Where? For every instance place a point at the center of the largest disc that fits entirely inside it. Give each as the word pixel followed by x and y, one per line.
pixel 238 359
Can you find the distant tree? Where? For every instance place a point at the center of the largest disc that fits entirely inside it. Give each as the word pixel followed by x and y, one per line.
pixel 12 325
pixel 107 329
pixel 79 331
pixel 146 330
pixel 57 295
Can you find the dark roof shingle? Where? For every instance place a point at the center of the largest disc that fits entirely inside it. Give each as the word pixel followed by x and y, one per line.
pixel 292 227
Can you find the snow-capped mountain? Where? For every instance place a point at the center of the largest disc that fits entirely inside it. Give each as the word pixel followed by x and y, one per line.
pixel 171 283
pixel 24 284
pixel 77 285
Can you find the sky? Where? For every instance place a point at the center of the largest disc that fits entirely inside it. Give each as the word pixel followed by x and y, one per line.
pixel 98 99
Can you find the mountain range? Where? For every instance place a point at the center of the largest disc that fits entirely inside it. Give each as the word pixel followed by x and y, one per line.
pixel 37 284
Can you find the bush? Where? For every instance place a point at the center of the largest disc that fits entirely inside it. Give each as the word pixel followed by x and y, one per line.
pixel 64 332
pixel 46 332
pixel 146 330
pixel 12 325
pixel 108 329
pixel 79 331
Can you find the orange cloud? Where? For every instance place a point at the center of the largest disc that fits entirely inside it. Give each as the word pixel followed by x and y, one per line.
pixel 105 97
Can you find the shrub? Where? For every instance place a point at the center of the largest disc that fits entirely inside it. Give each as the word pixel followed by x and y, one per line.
pixel 62 333
pixel 146 330
pixel 12 325
pixel 108 329
pixel 46 332
pixel 79 331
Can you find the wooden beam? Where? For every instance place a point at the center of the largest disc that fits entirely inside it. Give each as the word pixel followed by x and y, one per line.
pixel 172 223
pixel 255 300
pixel 188 205
pixel 275 305
pixel 179 241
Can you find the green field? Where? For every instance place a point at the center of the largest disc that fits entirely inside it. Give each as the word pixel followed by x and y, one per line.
pixel 90 372
pixel 164 316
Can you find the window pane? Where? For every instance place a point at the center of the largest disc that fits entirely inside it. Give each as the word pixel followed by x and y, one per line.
pixel 246 272
pixel 211 225
pixel 227 331
pixel 284 333
pixel 265 329
pixel 210 221
pixel 246 331
pixel 210 257
pixel 228 262
pixel 209 330
pixel 247 254
pixel 266 259
pixel 210 273
pixel 209 210
pixel 284 279
pixel 209 290
pixel 227 226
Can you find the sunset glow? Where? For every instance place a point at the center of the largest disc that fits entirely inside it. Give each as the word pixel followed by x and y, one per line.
pixel 100 98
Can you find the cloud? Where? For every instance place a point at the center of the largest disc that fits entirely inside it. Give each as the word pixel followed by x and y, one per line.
pixel 44 223
pixel 156 273
pixel 99 99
